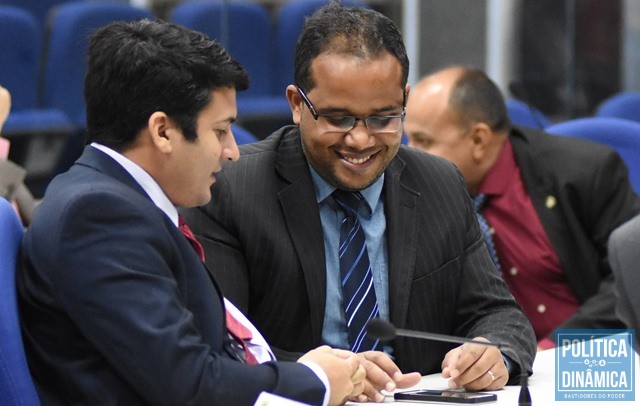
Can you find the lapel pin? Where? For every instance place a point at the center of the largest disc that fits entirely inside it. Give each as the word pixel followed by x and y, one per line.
pixel 550 202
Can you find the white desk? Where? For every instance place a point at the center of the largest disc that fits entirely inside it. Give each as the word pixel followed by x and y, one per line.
pixel 541 387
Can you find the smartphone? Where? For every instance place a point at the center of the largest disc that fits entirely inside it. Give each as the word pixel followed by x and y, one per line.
pixel 449 396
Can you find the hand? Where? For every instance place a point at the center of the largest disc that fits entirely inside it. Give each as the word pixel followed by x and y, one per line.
pixel 475 367
pixel 346 375
pixel 382 374
pixel 5 105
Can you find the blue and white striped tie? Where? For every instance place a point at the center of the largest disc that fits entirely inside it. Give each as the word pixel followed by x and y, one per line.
pixel 478 204
pixel 359 295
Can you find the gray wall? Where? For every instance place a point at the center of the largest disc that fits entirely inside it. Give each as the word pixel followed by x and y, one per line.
pixel 451 32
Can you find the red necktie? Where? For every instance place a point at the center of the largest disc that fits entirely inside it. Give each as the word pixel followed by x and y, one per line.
pixel 242 335
pixel 239 332
pixel 184 229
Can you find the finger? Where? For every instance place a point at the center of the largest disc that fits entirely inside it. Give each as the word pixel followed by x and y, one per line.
pixel 449 359
pixel 357 390
pixel 407 380
pixel 359 375
pixel 491 378
pixel 374 364
pixel 372 393
pixel 469 355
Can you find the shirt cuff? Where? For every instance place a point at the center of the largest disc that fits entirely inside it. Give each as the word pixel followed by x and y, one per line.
pixel 315 368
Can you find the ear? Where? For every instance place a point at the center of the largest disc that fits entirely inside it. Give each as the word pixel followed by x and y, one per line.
pixel 480 137
pixel 295 103
pixel 162 131
pixel 407 88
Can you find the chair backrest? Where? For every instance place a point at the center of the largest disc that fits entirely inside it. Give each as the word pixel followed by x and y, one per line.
pixel 38 8
pixel 244 29
pixel 20 52
pixel 524 115
pixel 16 385
pixel 65 62
pixel 621 135
pixel 289 23
pixel 622 105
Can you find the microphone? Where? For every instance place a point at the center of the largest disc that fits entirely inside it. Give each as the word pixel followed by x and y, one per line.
pixel 385 331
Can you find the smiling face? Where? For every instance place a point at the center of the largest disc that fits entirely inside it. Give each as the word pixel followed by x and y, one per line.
pixel 192 164
pixel 354 86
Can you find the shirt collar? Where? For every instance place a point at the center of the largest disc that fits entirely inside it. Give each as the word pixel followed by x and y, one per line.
pixel 501 174
pixel 371 194
pixel 145 180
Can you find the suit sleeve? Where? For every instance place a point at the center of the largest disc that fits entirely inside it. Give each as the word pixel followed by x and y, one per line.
pixel 115 276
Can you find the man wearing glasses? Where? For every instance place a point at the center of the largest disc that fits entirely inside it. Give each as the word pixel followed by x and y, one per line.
pixel 329 223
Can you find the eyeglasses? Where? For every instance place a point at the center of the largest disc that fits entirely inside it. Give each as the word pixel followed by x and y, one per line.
pixel 342 124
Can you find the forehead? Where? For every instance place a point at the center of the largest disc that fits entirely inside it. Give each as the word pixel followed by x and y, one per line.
pixel 221 107
pixel 377 78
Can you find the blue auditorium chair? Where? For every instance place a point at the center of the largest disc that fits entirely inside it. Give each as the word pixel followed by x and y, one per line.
pixel 71 26
pixel 622 105
pixel 16 385
pixel 289 22
pixel 524 115
pixel 621 135
pixel 244 29
pixel 37 135
pixel 38 8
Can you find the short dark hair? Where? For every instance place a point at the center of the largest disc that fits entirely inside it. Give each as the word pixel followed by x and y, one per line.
pixel 138 68
pixel 476 98
pixel 357 31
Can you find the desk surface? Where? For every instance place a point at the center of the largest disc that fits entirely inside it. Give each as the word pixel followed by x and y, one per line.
pixel 541 387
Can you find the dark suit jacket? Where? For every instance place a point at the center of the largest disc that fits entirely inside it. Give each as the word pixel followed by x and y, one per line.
pixel 590 184
pixel 624 256
pixel 116 307
pixel 265 236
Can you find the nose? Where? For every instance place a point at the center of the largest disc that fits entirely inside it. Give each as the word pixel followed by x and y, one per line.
pixel 359 137
pixel 230 149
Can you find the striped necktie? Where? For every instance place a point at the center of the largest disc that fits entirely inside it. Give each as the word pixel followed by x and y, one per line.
pixel 478 204
pixel 359 295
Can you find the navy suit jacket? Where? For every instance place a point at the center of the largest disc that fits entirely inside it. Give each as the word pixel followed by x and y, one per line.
pixel 265 236
pixel 592 196
pixel 116 307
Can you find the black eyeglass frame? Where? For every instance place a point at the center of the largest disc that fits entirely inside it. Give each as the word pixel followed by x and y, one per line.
pixel 315 115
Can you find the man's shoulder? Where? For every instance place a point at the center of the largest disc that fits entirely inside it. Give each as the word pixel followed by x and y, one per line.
pixel 562 149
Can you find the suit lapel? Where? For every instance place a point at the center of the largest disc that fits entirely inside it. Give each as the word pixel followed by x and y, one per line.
pixel 400 212
pixel 546 199
pixel 300 209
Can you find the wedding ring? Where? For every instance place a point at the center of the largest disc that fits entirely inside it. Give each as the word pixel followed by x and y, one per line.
pixel 493 377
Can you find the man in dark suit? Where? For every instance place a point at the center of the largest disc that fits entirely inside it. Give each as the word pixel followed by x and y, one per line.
pixel 116 305
pixel 282 214
pixel 551 201
pixel 624 256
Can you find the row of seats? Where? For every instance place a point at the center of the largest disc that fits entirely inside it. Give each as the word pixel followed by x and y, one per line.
pixel 43 66
pixel 616 123
pixel 264 49
pixel 624 105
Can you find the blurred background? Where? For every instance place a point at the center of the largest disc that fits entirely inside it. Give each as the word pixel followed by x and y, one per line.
pixel 560 58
